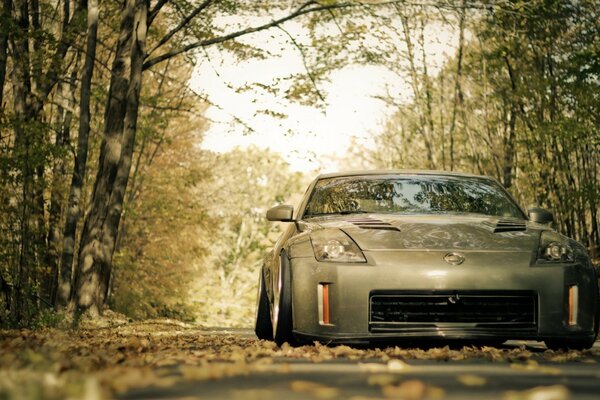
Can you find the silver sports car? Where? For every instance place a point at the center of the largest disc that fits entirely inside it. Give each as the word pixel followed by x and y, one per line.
pixel 394 255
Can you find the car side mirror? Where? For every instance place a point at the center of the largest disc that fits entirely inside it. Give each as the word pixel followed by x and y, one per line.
pixel 283 213
pixel 540 215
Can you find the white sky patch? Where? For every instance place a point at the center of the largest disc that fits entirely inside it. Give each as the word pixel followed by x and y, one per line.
pixel 310 139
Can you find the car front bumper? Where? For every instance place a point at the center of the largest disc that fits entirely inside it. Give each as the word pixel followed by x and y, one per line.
pixel 349 287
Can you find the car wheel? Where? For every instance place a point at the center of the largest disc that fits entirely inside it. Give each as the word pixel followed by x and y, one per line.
pixel 570 344
pixel 263 326
pixel 282 305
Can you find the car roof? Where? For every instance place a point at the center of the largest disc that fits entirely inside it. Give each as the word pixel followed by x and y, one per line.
pixel 396 172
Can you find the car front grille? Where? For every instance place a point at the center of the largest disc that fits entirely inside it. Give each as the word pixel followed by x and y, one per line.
pixel 512 309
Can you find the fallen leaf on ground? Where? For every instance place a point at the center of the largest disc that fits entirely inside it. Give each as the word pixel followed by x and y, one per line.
pixel 381 379
pixel 397 365
pixel 534 366
pixel 413 389
pixel 555 392
pixel 471 380
pixel 315 389
pixel 122 355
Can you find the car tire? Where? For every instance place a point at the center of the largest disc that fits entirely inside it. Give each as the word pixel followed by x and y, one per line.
pixel 263 326
pixel 282 308
pixel 570 344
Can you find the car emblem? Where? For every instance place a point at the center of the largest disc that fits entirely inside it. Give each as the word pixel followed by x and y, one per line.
pixel 454 258
pixel 454 299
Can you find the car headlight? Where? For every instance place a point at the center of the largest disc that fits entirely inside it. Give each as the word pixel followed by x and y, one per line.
pixel 335 246
pixel 554 248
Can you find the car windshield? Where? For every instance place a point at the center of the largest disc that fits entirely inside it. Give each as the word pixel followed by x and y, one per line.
pixel 421 194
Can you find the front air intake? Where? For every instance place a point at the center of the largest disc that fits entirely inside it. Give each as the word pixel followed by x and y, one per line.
pixel 510 226
pixel 506 225
pixel 371 223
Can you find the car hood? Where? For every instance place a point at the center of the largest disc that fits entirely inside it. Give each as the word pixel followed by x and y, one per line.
pixel 433 232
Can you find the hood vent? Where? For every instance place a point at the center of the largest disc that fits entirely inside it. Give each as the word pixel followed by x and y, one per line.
pixel 370 223
pixel 509 226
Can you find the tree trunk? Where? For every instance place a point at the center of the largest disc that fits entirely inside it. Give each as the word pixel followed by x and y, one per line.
pixel 593 194
pixel 415 84
pixel 509 149
pixel 430 137
pixel 57 198
pixel 21 83
pixel 30 136
pixel 59 176
pixel 37 56
pixel 458 93
pixel 4 30
pixel 79 170
pixel 509 142
pixel 101 224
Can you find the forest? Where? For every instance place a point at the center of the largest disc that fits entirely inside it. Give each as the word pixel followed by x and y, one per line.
pixel 109 202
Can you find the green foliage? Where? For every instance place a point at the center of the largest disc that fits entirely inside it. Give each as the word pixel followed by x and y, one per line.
pixel 245 184
pixel 35 312
pixel 195 235
pixel 519 108
pixel 166 215
pixel 165 212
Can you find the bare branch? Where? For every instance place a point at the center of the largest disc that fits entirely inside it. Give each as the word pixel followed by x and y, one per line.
pixel 308 72
pixel 302 10
pixel 181 25
pixel 307 7
pixel 155 10
pixel 66 41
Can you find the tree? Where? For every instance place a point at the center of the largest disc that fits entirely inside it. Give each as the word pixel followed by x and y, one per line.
pixel 166 223
pixel 101 224
pixel 5 21
pixel 36 50
pixel 100 229
pixel 245 183
pixel 80 165
pixel 519 112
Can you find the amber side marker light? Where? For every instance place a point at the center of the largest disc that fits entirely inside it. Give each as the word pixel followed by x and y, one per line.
pixel 573 304
pixel 324 303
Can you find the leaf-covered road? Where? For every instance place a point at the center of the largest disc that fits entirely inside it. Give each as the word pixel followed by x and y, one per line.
pixel 169 359
pixel 411 380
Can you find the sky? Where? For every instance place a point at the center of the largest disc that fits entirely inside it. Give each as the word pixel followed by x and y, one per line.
pixel 310 139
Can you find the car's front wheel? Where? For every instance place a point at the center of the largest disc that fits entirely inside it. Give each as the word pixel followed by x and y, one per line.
pixel 282 305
